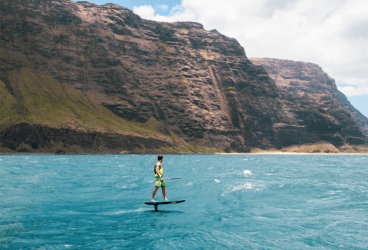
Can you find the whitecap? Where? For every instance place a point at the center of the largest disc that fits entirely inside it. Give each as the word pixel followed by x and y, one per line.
pixel 247 172
pixel 245 159
pixel 243 186
pixel 217 181
pixel 239 187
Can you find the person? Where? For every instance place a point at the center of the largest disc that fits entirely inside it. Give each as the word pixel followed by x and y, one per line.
pixel 159 182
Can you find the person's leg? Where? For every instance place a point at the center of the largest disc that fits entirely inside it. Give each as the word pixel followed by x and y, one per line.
pixel 154 193
pixel 164 193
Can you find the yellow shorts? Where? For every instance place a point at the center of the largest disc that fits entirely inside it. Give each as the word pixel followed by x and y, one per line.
pixel 159 183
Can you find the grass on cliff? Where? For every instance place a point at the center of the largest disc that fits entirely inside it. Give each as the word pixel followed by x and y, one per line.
pixel 304 148
pixel 316 148
pixel 312 148
pixel 39 99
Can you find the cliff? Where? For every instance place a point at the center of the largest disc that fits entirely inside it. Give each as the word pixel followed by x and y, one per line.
pixel 309 80
pixel 197 84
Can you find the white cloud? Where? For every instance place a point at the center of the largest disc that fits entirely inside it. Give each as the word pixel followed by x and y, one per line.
pixel 351 91
pixel 330 33
pixel 145 11
pixel 177 13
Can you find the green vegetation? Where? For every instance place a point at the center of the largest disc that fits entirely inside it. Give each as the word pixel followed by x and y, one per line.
pixel 167 50
pixel 349 149
pixel 230 88
pixel 312 148
pixel 261 151
pixel 188 149
pixel 39 99
pixel 6 150
pixel 361 148
pixel 315 148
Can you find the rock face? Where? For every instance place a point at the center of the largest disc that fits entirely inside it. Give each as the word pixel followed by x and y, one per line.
pixel 309 80
pixel 199 84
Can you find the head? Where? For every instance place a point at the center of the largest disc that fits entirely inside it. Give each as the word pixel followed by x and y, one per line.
pixel 160 158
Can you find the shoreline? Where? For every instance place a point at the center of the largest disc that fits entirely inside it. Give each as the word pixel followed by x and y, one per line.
pixel 148 153
pixel 291 153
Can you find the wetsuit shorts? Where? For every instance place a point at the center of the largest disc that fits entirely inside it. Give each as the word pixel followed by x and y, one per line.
pixel 159 183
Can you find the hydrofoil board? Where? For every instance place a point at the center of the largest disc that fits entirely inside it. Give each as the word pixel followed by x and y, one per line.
pixel 156 203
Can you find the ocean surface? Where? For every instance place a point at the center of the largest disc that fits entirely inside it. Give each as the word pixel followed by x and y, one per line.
pixel 232 202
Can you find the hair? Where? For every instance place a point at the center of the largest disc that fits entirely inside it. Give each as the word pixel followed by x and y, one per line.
pixel 160 157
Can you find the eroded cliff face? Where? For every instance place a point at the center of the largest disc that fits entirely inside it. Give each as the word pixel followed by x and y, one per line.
pixel 197 83
pixel 309 80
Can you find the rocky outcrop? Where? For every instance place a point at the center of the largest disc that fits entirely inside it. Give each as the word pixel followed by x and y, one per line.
pixel 199 84
pixel 309 80
pixel 25 137
pixel 357 117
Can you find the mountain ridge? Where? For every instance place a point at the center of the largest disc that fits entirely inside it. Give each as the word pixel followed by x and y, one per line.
pixel 198 84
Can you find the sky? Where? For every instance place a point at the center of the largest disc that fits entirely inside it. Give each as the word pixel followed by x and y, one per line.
pixel 330 33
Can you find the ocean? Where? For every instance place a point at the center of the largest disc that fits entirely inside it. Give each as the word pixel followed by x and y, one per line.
pixel 242 201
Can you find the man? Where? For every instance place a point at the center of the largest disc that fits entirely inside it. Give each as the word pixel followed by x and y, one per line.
pixel 159 182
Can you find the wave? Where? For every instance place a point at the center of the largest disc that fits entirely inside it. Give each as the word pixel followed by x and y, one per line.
pixel 247 172
pixel 243 186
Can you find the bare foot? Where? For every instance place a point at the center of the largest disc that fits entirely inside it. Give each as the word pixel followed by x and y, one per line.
pixel 166 200
pixel 152 200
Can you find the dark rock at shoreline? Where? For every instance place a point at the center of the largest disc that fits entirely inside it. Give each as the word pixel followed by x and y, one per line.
pixel 25 137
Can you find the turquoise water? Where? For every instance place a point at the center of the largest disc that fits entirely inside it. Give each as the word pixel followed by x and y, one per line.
pixel 233 202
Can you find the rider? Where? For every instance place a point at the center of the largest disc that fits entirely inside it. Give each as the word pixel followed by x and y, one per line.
pixel 159 182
